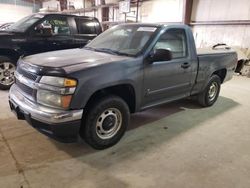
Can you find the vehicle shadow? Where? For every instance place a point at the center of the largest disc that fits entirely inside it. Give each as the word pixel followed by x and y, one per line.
pixel 145 129
pixel 162 111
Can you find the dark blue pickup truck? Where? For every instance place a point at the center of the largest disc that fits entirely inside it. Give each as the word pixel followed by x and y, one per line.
pixel 39 33
pixel 92 91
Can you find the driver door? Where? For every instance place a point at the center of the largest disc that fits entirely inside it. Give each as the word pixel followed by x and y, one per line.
pixel 53 33
pixel 61 33
pixel 168 80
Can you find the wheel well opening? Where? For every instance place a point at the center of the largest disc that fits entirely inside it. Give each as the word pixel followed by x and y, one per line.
pixel 10 54
pixel 221 73
pixel 125 91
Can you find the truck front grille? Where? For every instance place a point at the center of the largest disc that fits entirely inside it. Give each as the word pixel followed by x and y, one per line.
pixel 25 82
pixel 27 74
pixel 26 89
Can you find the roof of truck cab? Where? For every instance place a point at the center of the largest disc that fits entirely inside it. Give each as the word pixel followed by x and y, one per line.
pixel 63 14
pixel 156 24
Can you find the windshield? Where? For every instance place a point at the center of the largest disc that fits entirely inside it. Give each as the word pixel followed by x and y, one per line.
pixel 23 24
pixel 123 39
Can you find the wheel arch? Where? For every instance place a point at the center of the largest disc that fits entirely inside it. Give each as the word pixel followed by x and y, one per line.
pixel 221 73
pixel 12 54
pixel 126 91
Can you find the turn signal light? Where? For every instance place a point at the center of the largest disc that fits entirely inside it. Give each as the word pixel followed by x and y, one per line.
pixel 65 101
pixel 69 82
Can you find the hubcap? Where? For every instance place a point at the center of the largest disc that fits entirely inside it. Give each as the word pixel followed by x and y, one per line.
pixel 108 123
pixel 7 70
pixel 212 92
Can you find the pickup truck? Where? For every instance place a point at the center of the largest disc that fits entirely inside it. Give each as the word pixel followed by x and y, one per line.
pixel 39 33
pixel 92 91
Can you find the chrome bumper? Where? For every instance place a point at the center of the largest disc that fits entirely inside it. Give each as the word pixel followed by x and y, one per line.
pixel 41 113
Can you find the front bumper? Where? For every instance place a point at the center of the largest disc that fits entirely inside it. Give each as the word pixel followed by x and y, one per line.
pixel 60 124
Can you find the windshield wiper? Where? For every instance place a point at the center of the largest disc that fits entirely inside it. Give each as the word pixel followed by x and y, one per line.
pixel 114 52
pixel 89 48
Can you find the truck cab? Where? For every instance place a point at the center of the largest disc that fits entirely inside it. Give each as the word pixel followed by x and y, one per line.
pixel 39 33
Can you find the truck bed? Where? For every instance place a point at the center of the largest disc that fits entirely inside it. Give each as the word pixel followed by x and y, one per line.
pixel 210 51
pixel 212 60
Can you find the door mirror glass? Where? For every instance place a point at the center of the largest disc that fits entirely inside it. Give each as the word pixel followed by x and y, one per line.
pixel 161 55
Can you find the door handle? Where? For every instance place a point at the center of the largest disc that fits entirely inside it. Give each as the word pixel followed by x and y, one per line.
pixel 56 43
pixel 185 65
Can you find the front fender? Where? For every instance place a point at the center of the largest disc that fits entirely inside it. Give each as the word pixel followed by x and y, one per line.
pixel 83 95
pixel 96 79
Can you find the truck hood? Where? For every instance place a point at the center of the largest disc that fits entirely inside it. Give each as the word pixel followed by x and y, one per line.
pixel 68 59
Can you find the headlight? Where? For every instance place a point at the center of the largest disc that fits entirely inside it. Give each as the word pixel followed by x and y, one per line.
pixel 52 99
pixel 58 81
pixel 55 91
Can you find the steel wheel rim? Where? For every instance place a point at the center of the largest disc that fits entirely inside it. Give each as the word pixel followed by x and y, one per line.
pixel 108 123
pixel 7 70
pixel 212 92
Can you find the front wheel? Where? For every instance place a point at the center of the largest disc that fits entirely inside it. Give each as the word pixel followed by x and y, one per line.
pixel 210 95
pixel 106 122
pixel 7 69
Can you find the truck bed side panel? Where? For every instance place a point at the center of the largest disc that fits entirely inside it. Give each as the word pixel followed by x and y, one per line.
pixel 212 62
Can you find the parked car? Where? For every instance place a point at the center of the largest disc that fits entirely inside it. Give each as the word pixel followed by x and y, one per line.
pixel 6 26
pixel 41 33
pixel 126 69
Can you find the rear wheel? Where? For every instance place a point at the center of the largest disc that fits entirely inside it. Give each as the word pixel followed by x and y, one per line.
pixel 210 95
pixel 106 122
pixel 7 69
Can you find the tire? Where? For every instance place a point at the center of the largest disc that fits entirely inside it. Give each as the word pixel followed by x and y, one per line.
pixel 210 94
pixel 105 122
pixel 7 69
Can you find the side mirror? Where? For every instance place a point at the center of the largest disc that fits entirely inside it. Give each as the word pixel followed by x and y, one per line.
pixel 44 30
pixel 161 55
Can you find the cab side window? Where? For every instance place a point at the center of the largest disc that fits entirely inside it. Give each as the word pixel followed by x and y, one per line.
pixel 86 26
pixel 174 40
pixel 57 26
